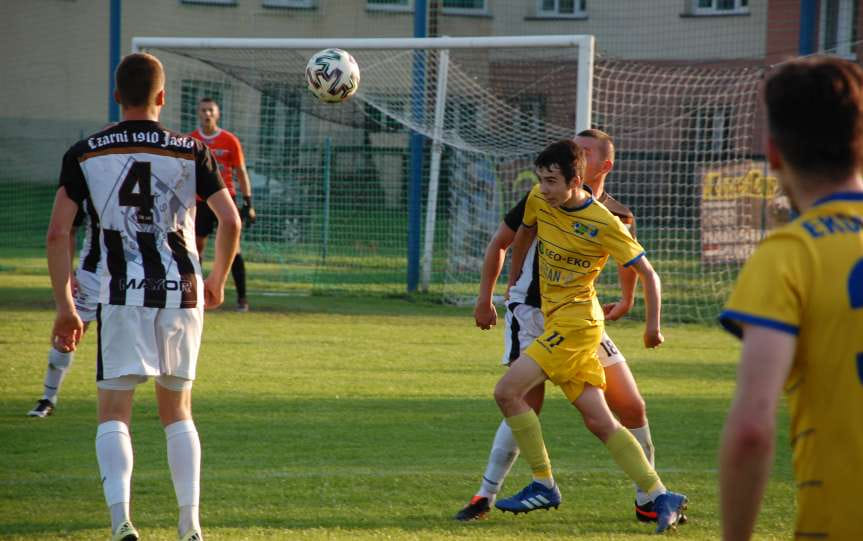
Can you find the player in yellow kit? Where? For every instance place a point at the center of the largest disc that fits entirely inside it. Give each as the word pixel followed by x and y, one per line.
pixel 575 236
pixel 798 305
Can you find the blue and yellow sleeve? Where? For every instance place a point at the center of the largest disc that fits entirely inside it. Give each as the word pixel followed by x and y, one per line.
pixel 618 241
pixel 772 287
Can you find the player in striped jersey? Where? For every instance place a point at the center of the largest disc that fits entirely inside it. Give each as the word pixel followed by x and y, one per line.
pixel 798 306
pixel 524 323
pixel 142 181
pixel 85 288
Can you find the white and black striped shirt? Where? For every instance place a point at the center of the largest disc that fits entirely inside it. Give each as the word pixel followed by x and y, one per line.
pixel 142 181
pixel 90 254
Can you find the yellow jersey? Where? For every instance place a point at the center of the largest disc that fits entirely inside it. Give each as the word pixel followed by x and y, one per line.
pixel 573 245
pixel 806 279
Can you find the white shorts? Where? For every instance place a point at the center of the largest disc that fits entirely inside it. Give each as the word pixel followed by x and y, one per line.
pixel 87 296
pixel 141 341
pixel 128 383
pixel 524 323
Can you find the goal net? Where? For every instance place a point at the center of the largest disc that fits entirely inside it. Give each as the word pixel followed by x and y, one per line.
pixel 334 185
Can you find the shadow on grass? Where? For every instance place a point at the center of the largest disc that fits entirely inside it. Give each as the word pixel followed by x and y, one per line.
pixel 342 464
pixel 40 298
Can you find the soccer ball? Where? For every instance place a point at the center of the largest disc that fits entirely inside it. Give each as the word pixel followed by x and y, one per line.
pixel 332 75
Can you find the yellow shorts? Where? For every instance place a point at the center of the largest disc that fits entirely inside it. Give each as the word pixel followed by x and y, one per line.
pixel 566 352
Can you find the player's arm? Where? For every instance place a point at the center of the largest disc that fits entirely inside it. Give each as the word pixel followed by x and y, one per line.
pixel 520 246
pixel 227 242
pixel 746 452
pixel 484 313
pixel 67 324
pixel 652 300
pixel 628 278
pixel 247 211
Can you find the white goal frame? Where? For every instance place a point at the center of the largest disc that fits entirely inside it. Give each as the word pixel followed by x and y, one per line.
pixel 584 43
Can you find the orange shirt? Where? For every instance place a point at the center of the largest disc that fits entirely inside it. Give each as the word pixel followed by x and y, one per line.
pixel 228 152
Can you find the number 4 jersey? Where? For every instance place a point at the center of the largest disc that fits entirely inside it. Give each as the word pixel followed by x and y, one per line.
pixel 141 180
pixel 806 279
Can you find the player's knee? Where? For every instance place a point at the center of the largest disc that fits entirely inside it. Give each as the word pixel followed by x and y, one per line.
pixel 633 414
pixel 505 396
pixel 599 426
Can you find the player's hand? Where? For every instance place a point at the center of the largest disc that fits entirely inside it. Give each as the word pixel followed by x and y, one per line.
pixel 67 331
pixel 247 212
pixel 653 338
pixel 616 310
pixel 214 293
pixel 485 315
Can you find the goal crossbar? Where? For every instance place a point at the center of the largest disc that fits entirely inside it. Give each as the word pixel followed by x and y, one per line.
pixel 581 41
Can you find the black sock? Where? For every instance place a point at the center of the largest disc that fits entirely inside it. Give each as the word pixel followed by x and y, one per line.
pixel 238 271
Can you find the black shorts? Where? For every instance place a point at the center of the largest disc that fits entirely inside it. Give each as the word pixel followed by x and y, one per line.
pixel 205 220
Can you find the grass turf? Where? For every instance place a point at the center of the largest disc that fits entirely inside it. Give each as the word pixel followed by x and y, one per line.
pixel 352 418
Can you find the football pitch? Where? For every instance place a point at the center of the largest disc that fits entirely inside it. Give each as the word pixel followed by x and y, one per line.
pixel 337 418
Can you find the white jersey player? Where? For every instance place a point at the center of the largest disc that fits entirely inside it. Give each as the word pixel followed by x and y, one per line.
pixel 142 180
pixel 86 293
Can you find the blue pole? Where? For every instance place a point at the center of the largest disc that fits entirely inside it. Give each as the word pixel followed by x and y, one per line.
pixel 113 58
pixel 808 22
pixel 415 181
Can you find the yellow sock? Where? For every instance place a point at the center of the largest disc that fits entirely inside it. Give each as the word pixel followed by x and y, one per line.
pixel 528 434
pixel 629 455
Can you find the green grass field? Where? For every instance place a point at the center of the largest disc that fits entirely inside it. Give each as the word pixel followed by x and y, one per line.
pixel 352 419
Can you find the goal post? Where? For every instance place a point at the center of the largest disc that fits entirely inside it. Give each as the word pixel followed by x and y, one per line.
pixel 436 108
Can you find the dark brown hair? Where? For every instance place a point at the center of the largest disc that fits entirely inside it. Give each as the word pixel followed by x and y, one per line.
pixel 608 142
pixel 815 116
pixel 139 78
pixel 566 155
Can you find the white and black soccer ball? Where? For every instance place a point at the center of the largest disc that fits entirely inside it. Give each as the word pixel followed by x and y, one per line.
pixel 333 75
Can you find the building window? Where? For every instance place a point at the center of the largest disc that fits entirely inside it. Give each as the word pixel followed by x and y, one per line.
pixel 719 7
pixel 467 7
pixel 304 4
pixel 533 109
pixel 837 27
pixel 390 5
pixel 211 2
pixel 280 129
pixel 562 8
pixel 710 130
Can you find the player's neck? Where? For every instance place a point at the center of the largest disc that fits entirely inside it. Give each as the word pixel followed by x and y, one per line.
pixel 579 197
pixel 142 113
pixel 207 130
pixel 805 193
pixel 597 186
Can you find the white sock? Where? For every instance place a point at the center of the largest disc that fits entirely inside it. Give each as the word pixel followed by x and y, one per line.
pixel 114 453
pixel 642 434
pixel 184 458
pixel 58 365
pixel 504 452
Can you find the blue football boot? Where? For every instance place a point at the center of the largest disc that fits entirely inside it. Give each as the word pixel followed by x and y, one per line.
pixel 532 497
pixel 669 510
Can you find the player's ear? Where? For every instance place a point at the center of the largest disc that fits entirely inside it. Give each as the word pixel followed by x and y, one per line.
pixel 607 165
pixel 160 98
pixel 117 97
pixel 774 158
